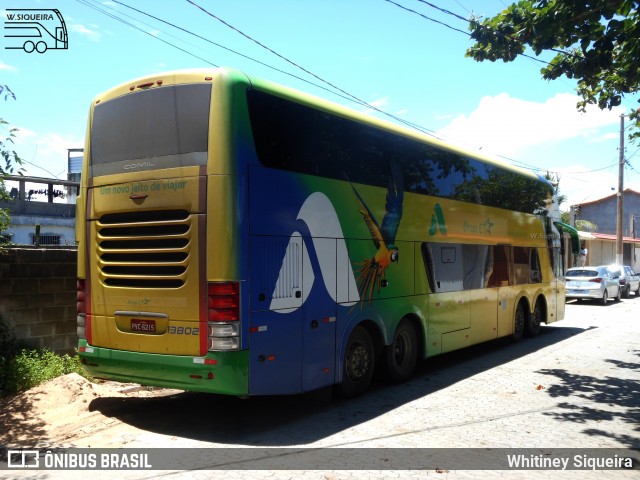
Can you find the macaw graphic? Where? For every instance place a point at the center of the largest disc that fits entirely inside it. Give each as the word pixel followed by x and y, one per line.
pixel 371 271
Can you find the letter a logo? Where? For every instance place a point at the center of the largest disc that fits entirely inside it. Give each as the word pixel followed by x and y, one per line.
pixel 437 221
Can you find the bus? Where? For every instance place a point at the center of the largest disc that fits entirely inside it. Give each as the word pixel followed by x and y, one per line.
pixel 239 237
pixel 35 30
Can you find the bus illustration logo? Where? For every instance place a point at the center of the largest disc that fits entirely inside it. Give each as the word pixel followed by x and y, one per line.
pixel 437 221
pixel 35 30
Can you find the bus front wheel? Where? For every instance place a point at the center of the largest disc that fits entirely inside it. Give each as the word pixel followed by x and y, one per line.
pixel 401 356
pixel 358 364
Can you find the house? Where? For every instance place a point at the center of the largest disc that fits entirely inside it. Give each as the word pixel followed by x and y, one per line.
pixel 32 204
pixel 601 245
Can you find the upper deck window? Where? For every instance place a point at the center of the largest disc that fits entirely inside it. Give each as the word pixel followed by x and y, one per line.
pixel 303 139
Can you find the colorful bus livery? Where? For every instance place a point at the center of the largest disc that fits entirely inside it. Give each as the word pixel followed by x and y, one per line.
pixel 239 237
pixel 35 30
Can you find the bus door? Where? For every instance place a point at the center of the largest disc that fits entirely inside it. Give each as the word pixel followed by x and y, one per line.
pixel 501 278
pixel 292 324
pixel 449 306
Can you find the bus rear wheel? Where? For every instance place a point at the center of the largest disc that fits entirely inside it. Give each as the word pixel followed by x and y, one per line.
pixel 401 356
pixel 535 320
pixel 518 324
pixel 358 364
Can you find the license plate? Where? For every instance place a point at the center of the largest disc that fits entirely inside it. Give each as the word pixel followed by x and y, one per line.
pixel 578 291
pixel 139 325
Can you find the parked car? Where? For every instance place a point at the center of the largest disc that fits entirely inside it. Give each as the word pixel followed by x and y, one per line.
pixel 628 279
pixel 596 283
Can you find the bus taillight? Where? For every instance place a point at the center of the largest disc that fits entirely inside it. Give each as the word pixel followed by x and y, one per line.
pixel 224 302
pixel 223 313
pixel 81 308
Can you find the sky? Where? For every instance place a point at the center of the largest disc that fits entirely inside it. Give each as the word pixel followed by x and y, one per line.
pixel 409 64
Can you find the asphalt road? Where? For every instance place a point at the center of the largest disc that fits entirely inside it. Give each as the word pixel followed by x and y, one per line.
pixel 575 385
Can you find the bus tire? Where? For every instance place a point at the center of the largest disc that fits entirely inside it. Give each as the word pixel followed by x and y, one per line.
pixel 29 46
pixel 402 354
pixel 41 47
pixel 358 363
pixel 519 320
pixel 535 320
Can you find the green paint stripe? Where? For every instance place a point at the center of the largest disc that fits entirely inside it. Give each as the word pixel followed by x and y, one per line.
pixel 231 371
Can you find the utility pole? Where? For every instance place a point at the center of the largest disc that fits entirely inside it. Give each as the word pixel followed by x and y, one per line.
pixel 619 221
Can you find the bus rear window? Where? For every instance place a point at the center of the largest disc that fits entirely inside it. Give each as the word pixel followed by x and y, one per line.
pixel 159 128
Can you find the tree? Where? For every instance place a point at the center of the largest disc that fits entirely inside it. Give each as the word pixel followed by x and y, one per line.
pixel 10 159
pixel 595 43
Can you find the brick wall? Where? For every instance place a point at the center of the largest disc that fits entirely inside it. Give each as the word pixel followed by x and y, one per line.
pixel 38 296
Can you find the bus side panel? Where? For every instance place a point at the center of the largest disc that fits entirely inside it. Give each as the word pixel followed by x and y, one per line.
pixel 275 320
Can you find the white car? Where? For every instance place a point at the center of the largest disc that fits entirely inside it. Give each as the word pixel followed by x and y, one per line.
pixel 596 283
pixel 628 279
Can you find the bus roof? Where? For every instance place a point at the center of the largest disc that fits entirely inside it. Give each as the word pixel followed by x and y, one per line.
pixel 235 76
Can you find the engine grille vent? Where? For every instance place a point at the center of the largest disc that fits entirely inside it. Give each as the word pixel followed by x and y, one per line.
pixel 144 249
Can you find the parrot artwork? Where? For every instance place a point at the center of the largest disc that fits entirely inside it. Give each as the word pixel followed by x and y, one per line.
pixel 371 271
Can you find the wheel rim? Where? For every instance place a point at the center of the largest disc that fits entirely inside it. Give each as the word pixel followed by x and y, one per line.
pixel 535 318
pixel 357 362
pixel 402 349
pixel 519 322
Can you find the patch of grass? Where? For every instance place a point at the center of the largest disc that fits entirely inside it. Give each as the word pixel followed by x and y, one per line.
pixel 30 367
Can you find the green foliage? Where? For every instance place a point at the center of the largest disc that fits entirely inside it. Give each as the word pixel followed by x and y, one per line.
pixel 31 367
pixel 586 226
pixel 9 159
pixel 23 367
pixel 595 42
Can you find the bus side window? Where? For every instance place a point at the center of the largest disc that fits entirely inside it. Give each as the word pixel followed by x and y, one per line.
pixel 500 276
pixel 428 265
pixel 475 259
pixel 536 272
pixel 446 267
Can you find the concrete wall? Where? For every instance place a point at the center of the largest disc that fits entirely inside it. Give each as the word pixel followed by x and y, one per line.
pixel 38 295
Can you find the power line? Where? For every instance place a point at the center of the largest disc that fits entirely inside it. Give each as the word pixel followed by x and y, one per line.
pixel 307 71
pixel 444 10
pixel 536 59
pixel 426 17
pixel 345 94
pixel 591 171
pixel 129 24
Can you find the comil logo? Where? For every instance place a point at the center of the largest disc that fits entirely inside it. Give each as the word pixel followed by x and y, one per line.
pixel 35 30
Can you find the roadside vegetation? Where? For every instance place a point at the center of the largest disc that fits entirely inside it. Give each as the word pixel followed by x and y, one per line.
pixel 23 367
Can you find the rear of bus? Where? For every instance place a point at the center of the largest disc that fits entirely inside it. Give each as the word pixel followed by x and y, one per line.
pixel 159 227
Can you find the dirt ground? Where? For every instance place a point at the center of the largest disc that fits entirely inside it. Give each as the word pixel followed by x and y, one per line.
pixel 59 413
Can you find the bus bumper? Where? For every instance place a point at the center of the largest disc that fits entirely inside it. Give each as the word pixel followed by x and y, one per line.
pixel 218 372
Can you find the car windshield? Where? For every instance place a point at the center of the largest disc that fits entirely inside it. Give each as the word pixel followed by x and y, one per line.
pixel 582 273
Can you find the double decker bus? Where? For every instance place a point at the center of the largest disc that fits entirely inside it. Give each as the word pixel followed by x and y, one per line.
pixel 240 237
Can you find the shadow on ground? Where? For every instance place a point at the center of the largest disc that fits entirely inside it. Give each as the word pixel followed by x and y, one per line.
pixel 617 399
pixel 300 419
